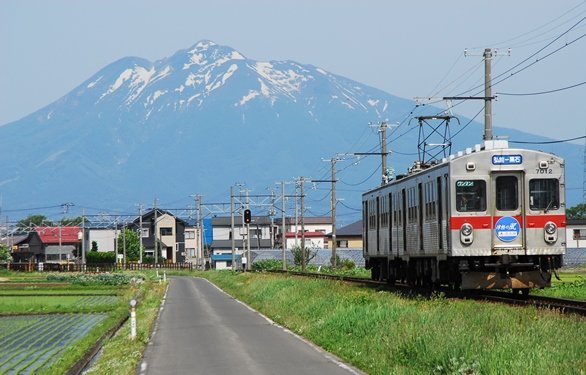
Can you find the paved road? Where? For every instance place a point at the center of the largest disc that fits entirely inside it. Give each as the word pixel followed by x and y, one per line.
pixel 202 330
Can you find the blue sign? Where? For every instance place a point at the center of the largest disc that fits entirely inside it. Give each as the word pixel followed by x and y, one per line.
pixel 507 159
pixel 507 228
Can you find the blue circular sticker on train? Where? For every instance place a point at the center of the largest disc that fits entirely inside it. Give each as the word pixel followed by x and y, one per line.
pixel 507 228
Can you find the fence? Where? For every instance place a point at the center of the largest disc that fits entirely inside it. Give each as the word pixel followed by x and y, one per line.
pixel 104 267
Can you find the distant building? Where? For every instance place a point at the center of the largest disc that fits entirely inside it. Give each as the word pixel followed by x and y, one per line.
pixel 348 237
pixel 576 233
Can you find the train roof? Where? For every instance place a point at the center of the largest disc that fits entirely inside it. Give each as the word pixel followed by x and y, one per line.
pixel 488 146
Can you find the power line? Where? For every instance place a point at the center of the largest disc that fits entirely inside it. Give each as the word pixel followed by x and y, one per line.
pixel 548 142
pixel 543 92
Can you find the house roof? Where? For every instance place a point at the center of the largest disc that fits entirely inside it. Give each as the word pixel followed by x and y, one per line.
pixel 14 240
pixel 54 235
pixel 576 222
pixel 306 220
pixel 351 230
pixel 225 257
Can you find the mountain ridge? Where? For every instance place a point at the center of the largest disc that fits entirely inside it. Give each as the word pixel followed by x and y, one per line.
pixel 201 119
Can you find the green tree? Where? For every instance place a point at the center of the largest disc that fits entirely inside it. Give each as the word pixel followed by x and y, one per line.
pixel 297 252
pixel 94 246
pixel 76 221
pixel 577 212
pixel 36 220
pixel 132 241
pixel 5 254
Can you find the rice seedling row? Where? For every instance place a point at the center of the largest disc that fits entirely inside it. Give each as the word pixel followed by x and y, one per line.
pixel 39 344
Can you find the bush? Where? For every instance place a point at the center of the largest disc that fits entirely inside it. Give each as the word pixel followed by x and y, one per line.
pixel 95 257
pixel 115 279
pixel 267 264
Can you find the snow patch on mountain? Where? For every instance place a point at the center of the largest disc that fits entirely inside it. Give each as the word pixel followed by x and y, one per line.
pixel 92 84
pixel 126 74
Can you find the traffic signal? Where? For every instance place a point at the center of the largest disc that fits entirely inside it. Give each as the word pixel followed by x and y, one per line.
pixel 247 217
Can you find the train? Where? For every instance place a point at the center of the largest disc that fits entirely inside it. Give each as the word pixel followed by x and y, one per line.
pixel 488 217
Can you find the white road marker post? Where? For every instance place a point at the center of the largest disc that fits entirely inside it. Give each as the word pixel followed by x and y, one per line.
pixel 132 319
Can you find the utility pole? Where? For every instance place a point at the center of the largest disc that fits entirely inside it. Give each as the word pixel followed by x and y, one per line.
pixel 334 244
pixel 140 233
pixel 83 238
pixel 232 227
pixel 248 258
pixel 155 233
pixel 487 95
pixel 383 147
pixel 124 242
pixel 200 241
pixel 302 181
pixel 283 217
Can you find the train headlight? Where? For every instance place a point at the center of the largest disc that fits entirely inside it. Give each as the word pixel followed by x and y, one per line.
pixel 466 234
pixel 550 232
pixel 550 228
pixel 466 229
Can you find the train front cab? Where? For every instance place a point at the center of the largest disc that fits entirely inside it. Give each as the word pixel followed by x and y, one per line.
pixel 508 220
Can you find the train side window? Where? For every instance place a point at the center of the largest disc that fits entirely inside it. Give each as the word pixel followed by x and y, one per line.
pixel 470 195
pixel 506 193
pixel 544 194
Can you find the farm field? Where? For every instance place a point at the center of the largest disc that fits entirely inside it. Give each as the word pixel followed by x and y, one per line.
pixel 48 324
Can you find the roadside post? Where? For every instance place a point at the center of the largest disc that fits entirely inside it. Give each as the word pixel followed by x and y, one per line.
pixel 132 319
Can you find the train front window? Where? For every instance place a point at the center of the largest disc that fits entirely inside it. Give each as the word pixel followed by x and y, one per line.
pixel 470 195
pixel 507 193
pixel 544 194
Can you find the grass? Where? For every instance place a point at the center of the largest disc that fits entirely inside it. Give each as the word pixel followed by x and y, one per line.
pixel 381 333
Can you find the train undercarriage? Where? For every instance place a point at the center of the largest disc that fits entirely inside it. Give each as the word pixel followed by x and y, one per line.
pixel 519 273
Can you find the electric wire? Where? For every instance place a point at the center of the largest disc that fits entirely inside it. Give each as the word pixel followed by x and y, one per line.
pixel 548 142
pixel 542 92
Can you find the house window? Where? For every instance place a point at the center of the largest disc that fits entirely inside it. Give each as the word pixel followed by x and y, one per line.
pixel 579 234
pixel 256 233
pixel 189 235
pixel 145 233
pixel 342 243
pixel 166 231
pixel 191 252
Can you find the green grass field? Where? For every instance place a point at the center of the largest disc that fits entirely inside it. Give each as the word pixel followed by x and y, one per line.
pixel 382 333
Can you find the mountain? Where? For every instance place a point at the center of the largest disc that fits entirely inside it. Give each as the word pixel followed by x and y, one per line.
pixel 198 122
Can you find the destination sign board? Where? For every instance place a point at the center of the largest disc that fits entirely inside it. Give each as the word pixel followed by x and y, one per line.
pixel 507 159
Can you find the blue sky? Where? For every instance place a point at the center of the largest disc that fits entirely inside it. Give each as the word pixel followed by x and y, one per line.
pixel 410 49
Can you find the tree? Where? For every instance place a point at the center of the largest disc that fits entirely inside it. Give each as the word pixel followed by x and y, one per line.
pixel 36 220
pixel 94 246
pixel 5 254
pixel 297 251
pixel 132 241
pixel 76 221
pixel 576 212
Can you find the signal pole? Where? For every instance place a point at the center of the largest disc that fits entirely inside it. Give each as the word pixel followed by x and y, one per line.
pixel 232 226
pixel 283 217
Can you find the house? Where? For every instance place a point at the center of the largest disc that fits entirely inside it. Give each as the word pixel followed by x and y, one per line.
pixel 60 244
pixel 310 224
pixel 25 247
pixel 313 240
pixel 576 233
pixel 348 237
pixel 163 230
pixel 261 233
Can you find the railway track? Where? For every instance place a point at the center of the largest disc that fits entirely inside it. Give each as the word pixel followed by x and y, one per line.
pixel 561 305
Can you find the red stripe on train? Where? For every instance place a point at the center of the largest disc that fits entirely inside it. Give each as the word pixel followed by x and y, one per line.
pixel 485 222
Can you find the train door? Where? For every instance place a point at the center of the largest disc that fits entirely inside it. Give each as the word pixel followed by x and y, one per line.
pixel 508 213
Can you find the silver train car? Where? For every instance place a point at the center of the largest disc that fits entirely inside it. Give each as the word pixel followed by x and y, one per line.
pixel 491 217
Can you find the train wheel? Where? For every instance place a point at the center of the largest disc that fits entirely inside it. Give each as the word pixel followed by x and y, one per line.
pixel 375 272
